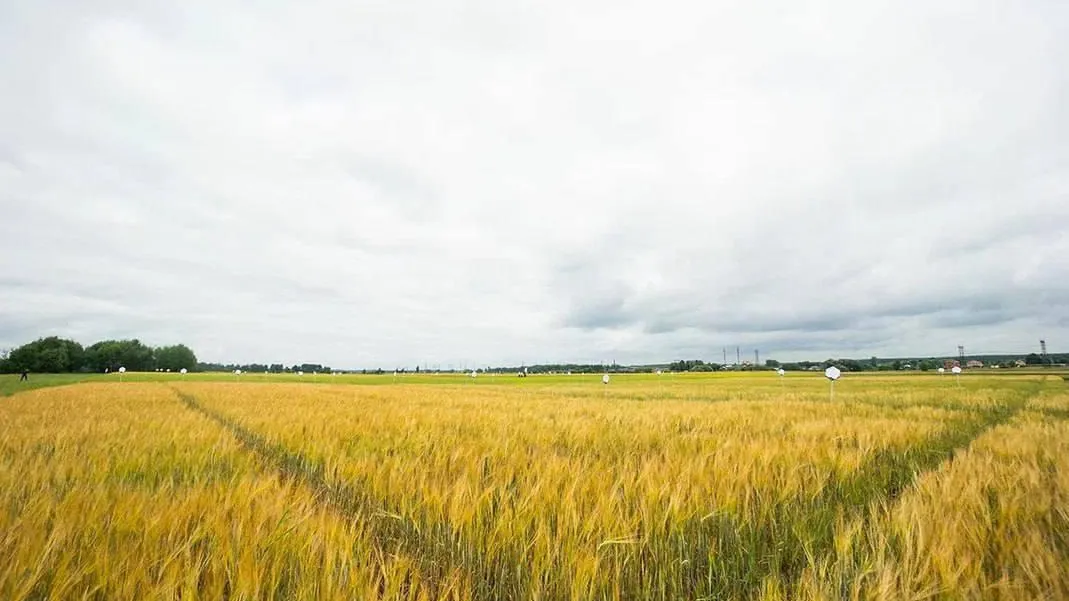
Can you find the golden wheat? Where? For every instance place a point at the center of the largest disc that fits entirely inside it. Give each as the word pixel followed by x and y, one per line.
pixel 123 493
pixel 670 487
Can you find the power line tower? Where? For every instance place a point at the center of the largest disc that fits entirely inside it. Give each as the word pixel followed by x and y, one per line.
pixel 961 356
pixel 725 355
pixel 738 356
pixel 756 358
pixel 1043 350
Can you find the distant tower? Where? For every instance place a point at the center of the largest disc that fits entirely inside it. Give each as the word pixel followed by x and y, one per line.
pixel 961 355
pixel 738 356
pixel 756 359
pixel 1043 350
pixel 725 355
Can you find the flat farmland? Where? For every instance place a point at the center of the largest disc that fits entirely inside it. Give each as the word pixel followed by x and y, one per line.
pixel 739 486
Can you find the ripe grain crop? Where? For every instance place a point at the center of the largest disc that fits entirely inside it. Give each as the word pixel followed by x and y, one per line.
pixel 994 524
pixel 112 492
pixel 654 487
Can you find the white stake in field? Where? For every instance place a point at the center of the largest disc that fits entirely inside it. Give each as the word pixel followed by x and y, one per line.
pixel 832 374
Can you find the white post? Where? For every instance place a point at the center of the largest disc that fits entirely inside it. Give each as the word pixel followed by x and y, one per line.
pixel 832 374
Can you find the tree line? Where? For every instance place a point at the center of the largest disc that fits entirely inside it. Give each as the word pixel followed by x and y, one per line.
pixel 274 368
pixel 59 355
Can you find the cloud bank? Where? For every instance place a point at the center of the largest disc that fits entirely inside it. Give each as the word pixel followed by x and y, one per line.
pixel 495 182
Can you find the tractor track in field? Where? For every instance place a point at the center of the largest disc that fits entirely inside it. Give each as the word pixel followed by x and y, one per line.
pixel 438 550
pixel 729 557
pixel 721 556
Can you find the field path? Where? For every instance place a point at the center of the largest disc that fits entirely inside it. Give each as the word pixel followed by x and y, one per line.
pixel 719 556
pixel 730 557
pixel 441 552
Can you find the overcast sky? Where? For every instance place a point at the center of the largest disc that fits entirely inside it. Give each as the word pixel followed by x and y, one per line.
pixel 382 183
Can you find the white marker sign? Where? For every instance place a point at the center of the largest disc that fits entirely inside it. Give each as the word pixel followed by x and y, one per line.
pixel 941 370
pixel 122 370
pixel 781 371
pixel 605 379
pixel 832 374
pixel 955 370
pixel 183 371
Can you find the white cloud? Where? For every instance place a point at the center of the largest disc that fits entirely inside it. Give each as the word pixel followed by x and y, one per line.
pixel 384 183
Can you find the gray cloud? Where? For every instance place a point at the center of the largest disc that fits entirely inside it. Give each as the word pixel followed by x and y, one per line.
pixel 496 182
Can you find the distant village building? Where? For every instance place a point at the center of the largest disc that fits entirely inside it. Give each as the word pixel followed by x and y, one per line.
pixel 1019 363
pixel 974 363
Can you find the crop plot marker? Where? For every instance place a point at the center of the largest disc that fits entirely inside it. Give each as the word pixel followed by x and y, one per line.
pixel 956 370
pixel 832 374
pixel 122 370
pixel 781 372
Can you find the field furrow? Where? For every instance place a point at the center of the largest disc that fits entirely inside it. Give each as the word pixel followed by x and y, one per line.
pixel 991 524
pixel 110 492
pixel 439 552
pixel 601 498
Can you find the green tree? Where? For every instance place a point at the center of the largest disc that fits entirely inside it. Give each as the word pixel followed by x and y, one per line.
pixel 175 358
pixel 113 354
pixel 46 355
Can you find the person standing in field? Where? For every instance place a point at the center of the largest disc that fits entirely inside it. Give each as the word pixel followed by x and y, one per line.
pixel 25 376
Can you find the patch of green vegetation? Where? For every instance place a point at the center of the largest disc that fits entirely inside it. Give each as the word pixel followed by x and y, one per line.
pixel 10 384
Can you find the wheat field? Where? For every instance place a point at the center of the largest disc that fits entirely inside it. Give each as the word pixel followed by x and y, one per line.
pixel 717 486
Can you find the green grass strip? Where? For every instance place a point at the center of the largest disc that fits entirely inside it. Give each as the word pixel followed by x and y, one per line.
pixel 10 384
